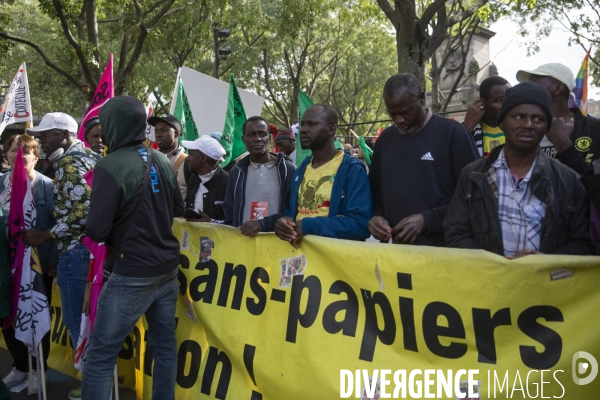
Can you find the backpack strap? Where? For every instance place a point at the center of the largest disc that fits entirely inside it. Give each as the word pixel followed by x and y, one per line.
pixel 179 161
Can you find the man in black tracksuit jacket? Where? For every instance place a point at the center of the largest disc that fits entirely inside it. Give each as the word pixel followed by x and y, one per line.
pixel 144 276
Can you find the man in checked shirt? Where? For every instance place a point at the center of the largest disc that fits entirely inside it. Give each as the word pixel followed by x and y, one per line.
pixel 518 201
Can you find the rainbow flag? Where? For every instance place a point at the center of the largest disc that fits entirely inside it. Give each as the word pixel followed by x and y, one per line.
pixel 581 87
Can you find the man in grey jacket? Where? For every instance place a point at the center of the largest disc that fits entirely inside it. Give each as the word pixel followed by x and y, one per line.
pixel 518 201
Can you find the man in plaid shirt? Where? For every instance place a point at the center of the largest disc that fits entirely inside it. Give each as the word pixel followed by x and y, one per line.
pixel 518 201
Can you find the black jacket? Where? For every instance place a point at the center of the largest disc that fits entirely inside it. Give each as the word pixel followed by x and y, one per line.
pixel 213 200
pixel 236 191
pixel 586 144
pixel 472 220
pixel 149 247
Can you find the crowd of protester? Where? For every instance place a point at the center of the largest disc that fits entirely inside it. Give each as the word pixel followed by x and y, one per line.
pixel 515 178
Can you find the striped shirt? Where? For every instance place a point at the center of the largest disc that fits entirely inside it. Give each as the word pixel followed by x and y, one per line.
pixel 520 213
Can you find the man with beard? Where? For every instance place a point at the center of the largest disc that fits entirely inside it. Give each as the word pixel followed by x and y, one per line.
pixel 415 167
pixel 330 192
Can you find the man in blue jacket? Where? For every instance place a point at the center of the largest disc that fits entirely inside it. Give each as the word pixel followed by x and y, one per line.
pixel 258 190
pixel 330 190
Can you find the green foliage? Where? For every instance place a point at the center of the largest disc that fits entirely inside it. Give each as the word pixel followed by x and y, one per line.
pixel 340 52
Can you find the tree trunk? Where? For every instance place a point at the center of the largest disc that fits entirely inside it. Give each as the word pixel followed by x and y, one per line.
pixel 435 83
pixel 91 21
pixel 411 57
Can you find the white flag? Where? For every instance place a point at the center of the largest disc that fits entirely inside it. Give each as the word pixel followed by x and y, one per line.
pixel 149 128
pixel 33 316
pixel 17 105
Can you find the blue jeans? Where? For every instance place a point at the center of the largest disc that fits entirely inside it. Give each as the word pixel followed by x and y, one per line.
pixel 122 302
pixel 72 272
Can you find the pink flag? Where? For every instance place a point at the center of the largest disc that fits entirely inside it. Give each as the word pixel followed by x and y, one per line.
pixel 16 222
pixel 104 91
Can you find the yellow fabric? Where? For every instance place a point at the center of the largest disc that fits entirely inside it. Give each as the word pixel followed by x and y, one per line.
pixel 492 137
pixel 258 315
pixel 314 194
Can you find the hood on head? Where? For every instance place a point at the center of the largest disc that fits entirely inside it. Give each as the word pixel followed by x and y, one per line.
pixel 123 121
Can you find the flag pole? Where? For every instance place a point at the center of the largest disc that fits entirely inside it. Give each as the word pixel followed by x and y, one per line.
pixel 41 371
pixel 174 98
pixel 116 379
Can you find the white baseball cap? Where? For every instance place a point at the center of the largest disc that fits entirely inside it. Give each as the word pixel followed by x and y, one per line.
pixel 207 145
pixel 555 70
pixel 55 120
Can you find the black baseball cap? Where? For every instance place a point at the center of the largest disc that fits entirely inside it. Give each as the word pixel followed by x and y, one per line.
pixel 168 118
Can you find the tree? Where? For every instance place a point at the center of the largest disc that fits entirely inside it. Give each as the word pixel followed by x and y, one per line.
pixel 338 53
pixel 123 22
pixel 581 19
pixel 419 36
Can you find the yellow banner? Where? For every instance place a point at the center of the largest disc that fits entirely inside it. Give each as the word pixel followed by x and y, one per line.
pixel 258 319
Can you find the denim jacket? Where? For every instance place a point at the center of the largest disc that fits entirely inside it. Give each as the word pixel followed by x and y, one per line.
pixel 43 195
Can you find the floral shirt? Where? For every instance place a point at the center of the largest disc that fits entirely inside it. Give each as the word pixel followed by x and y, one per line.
pixel 71 196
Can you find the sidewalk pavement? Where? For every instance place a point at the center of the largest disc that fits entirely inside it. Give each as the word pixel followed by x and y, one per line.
pixel 58 385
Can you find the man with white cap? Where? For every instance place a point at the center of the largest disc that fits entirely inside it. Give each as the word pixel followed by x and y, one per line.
pixel 574 138
pixel 57 134
pixel 208 181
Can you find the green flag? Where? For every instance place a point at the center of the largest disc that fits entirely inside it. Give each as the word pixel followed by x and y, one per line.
pixel 234 122
pixel 303 103
pixel 366 150
pixel 183 113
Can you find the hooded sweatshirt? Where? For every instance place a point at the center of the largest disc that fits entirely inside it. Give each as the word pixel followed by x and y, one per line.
pixel 149 247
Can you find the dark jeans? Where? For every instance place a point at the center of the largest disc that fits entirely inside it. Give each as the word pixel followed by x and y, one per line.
pixel 122 302
pixel 72 273
pixel 18 350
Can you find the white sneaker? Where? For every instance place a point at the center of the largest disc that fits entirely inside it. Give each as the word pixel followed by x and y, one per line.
pixel 14 378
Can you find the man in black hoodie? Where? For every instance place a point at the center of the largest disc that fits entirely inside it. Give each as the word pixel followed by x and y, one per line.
pixel 146 253
pixel 258 191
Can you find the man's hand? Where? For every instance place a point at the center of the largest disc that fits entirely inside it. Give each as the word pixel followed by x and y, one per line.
pixel 380 228
pixel 409 229
pixel 560 133
pixel 474 114
pixel 251 228
pixel 523 253
pixel 34 237
pixel 288 230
